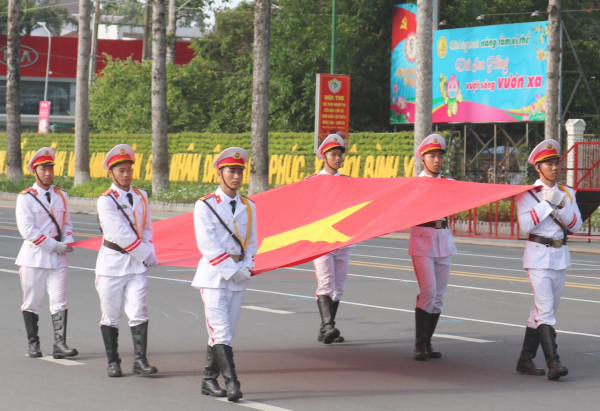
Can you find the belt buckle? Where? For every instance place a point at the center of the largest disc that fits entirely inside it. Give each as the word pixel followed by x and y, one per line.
pixel 557 243
pixel 438 224
pixel 235 257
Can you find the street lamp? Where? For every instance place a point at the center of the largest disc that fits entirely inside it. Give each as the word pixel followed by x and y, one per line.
pixel 442 23
pixel 43 24
pixel 535 13
pixel 481 17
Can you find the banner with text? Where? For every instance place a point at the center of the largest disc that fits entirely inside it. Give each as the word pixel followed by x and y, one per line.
pixel 404 64
pixel 332 111
pixel 490 74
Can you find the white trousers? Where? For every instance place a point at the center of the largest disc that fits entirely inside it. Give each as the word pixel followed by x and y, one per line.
pixel 548 286
pixel 432 274
pixel 35 281
pixel 112 290
pixel 332 272
pixel 222 308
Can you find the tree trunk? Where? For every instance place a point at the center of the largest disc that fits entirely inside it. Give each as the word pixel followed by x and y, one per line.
pixel 14 169
pixel 259 169
pixel 94 52
pixel 552 126
pixel 171 31
pixel 424 73
pixel 160 144
pixel 82 97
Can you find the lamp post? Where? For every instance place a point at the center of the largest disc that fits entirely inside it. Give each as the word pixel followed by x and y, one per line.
pixel 333 33
pixel 43 24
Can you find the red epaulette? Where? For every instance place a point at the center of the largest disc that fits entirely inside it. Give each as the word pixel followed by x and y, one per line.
pixel 206 197
pixel 107 192
pixel 247 198
pixel 28 189
pixel 538 189
pixel 444 177
pixel 310 176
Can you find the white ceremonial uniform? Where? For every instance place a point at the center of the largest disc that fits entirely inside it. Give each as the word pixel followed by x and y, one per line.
pixel 546 266
pixel 42 268
pixel 331 269
pixel 119 274
pixel 221 295
pixel 431 250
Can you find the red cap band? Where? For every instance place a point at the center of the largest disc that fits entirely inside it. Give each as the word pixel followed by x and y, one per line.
pixel 118 159
pixel 231 162
pixel 545 155
pixel 431 146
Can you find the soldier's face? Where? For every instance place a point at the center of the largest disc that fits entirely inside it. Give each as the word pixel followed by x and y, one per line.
pixel 233 176
pixel 335 158
pixel 122 174
pixel 434 160
pixel 44 175
pixel 549 169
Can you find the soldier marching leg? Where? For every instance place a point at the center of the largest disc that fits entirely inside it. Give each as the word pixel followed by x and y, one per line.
pixel 431 324
pixel 421 319
pixel 224 356
pixel 210 385
pixel 531 343
pixel 547 337
pixel 110 335
pixel 33 340
pixel 328 330
pixel 140 342
pixel 61 349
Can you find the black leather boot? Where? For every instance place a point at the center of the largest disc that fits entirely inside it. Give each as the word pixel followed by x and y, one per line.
pixel 328 330
pixel 421 334
pixel 210 386
pixel 224 356
pixel 531 343
pixel 547 337
pixel 61 349
pixel 110 335
pixel 33 340
pixel 140 342
pixel 430 328
pixel 334 308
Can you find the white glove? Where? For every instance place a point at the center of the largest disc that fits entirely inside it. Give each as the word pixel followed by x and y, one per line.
pixel 551 195
pixel 62 248
pixel 151 261
pixel 242 275
pixel 70 249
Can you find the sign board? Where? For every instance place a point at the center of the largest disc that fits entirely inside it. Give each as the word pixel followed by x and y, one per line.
pixel 44 117
pixel 404 64
pixel 490 74
pixel 332 111
pixel 480 74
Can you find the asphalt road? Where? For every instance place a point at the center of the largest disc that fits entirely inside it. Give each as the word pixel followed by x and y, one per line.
pixel 281 365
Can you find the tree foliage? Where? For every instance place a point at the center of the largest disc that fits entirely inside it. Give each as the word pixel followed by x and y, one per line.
pixel 215 92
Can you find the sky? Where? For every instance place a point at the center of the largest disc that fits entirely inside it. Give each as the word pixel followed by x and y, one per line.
pixel 219 4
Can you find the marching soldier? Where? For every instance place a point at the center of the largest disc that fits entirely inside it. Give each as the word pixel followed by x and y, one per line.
pixel 431 248
pixel 225 224
pixel 547 213
pixel 126 255
pixel 44 222
pixel 332 268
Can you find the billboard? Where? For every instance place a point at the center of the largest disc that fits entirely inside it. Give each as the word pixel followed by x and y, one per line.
pixel 490 74
pixel 404 64
pixel 332 107
pixel 480 74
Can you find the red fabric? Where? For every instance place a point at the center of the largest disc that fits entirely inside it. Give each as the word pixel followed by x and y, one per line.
pixel 230 161
pixel 118 157
pixel 543 155
pixel 393 204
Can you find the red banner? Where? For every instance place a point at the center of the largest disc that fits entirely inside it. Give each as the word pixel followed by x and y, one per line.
pixel 332 106
pixel 292 231
pixel 44 117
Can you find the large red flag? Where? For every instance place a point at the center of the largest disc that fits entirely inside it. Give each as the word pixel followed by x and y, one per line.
pixel 302 221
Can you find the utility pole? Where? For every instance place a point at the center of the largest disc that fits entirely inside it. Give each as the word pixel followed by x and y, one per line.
pixel 147 30
pixel 551 124
pixel 259 168
pixel 172 31
pixel 423 117
pixel 94 53
pixel 333 33
pixel 160 144
pixel 82 96
pixel 14 169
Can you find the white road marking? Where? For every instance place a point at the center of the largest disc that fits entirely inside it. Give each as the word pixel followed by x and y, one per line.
pixel 8 236
pixel 253 405
pixel 473 255
pixel 449 285
pixel 49 358
pixel 9 271
pixel 185 269
pixel 457 337
pixel 268 310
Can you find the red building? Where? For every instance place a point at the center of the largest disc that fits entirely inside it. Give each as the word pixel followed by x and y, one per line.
pixel 63 72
